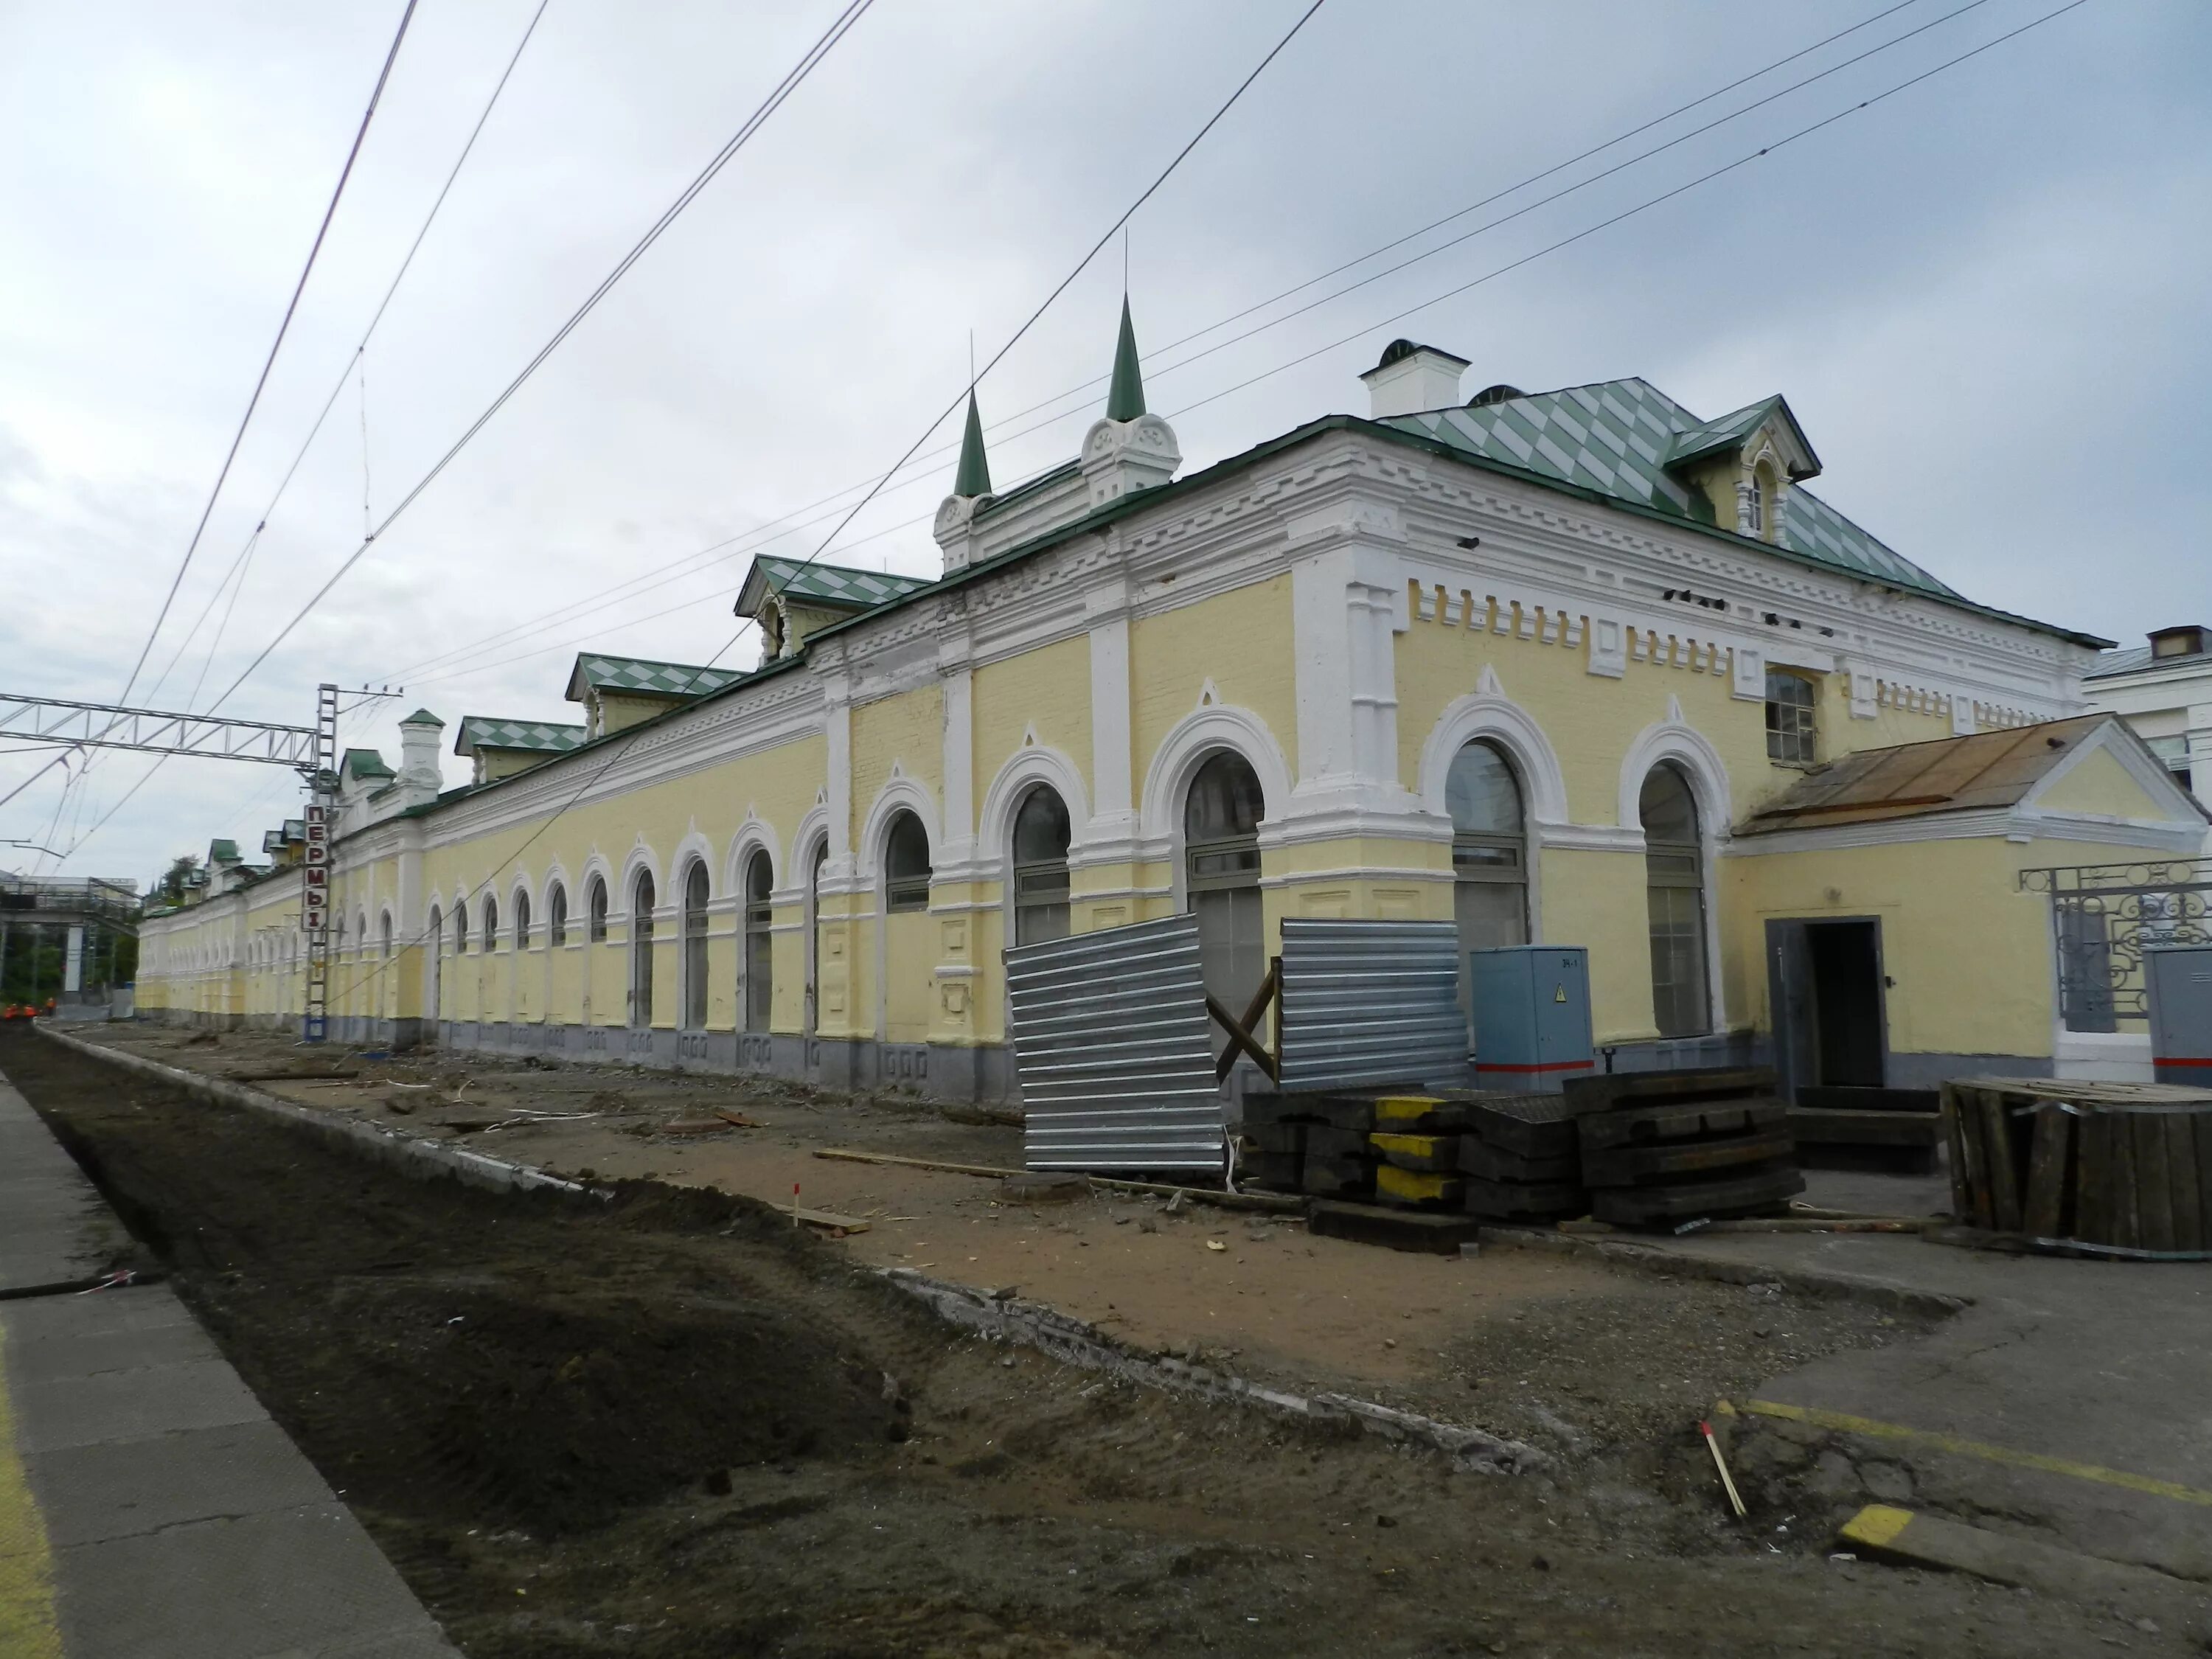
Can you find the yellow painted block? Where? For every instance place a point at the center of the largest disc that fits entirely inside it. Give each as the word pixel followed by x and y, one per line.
pixel 1411 1186
pixel 1400 1108
pixel 1411 1145
pixel 1876 1525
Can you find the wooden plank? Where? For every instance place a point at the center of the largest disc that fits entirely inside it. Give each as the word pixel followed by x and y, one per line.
pixel 2153 1192
pixel 2204 1177
pixel 1962 1198
pixel 2047 1171
pixel 2120 1217
pixel 1996 1153
pixel 2182 1130
pixel 2083 1091
pixel 1973 1159
pixel 1213 1195
pixel 2093 1159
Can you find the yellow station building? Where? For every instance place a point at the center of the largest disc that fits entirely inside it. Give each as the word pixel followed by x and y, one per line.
pixel 1571 667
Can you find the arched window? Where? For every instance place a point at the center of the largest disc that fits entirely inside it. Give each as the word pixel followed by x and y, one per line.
pixel 1675 879
pixel 522 920
pixel 694 947
pixel 814 919
pixel 556 915
pixel 1490 849
pixel 460 927
pixel 595 922
pixel 361 931
pixel 1041 835
pixel 641 952
pixel 760 955
pixel 490 924
pixel 906 864
pixel 1221 864
pixel 384 929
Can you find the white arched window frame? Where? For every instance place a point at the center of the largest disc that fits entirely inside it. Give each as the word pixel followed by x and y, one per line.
pixel 696 894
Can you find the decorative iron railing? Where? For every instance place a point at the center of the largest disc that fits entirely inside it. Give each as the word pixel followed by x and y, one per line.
pixel 2104 917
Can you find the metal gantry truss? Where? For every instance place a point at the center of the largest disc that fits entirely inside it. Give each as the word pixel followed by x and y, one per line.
pixel 311 751
pixel 154 731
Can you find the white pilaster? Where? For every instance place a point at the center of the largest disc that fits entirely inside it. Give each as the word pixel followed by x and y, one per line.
pixel 1113 806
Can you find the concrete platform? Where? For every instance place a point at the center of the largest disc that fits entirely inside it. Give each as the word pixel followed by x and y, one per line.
pixel 148 1503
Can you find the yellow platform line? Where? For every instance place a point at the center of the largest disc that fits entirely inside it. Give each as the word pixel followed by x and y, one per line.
pixel 27 1630
pixel 1844 1423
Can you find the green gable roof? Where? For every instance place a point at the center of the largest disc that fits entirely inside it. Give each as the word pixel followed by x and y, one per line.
pixel 223 850
pixel 541 737
pixel 1619 437
pixel 642 676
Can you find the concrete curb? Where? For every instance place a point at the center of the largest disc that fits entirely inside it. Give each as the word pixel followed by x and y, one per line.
pixel 1072 1342
pixel 1655 1258
pixel 394 1147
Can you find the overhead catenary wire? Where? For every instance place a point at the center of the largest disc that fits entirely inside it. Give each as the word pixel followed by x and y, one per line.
pixel 337 386
pixel 621 742
pixel 784 524
pixel 790 83
pixel 241 565
pixel 793 78
pixel 261 382
pixel 360 136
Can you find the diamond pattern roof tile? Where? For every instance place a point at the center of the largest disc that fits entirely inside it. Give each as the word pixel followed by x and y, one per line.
pixel 545 737
pixel 1617 437
pixel 651 678
pixel 837 584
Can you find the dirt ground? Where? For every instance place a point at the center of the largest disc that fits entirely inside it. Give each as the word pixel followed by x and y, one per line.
pixel 671 1424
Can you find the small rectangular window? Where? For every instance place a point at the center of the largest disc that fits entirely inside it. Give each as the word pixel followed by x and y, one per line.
pixel 1792 729
pixel 903 893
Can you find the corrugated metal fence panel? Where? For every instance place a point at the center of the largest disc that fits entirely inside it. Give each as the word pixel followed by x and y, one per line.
pixel 1113 1051
pixel 1368 1002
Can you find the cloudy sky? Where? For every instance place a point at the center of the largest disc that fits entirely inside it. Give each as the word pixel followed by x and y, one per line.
pixel 1984 296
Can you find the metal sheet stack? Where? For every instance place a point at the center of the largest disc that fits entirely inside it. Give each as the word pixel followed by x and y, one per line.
pixel 1659 1148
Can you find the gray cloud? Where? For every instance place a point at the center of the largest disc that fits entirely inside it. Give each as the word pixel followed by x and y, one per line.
pixel 1981 296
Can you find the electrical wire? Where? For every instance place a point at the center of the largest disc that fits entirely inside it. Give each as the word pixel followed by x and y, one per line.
pixel 770 532
pixel 793 78
pixel 617 749
pixel 252 403
pixel 790 83
pixel 1641 207
pixel 246 553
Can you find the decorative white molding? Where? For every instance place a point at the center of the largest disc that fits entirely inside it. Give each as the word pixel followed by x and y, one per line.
pixel 1184 750
pixel 899 793
pixel 750 836
pixel 1002 799
pixel 1488 713
pixel 694 845
pixel 1674 739
pixel 622 901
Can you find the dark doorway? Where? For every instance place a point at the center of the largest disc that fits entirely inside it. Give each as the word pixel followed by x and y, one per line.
pixel 1826 983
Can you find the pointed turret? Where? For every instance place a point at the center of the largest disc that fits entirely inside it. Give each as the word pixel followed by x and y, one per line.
pixel 1125 393
pixel 974 477
pixel 1129 450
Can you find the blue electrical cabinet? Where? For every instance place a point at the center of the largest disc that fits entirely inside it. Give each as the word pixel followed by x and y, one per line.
pixel 1531 1016
pixel 2178 979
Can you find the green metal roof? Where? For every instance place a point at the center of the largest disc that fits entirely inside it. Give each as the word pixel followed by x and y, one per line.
pixel 545 737
pixel 222 851
pixel 422 717
pixel 645 677
pixel 1619 437
pixel 364 763
pixel 835 584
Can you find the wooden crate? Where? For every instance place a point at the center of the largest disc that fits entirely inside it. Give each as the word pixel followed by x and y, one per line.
pixel 2112 1168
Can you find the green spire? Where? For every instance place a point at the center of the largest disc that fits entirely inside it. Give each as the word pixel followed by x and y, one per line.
pixel 1125 395
pixel 974 477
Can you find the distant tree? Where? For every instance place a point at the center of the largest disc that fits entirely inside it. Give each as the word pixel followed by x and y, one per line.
pixel 171 885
